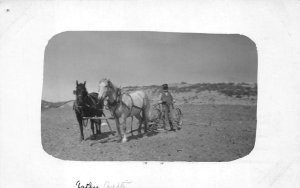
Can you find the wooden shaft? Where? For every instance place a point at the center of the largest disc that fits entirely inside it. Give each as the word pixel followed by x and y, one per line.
pixel 102 118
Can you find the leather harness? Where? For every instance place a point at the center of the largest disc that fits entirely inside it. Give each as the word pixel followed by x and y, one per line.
pixel 113 105
pixel 79 108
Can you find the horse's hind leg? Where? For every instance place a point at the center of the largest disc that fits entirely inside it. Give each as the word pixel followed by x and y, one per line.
pixel 131 125
pixel 145 113
pixel 98 127
pixel 123 128
pixel 92 126
pixel 80 126
pixel 118 127
pixel 139 117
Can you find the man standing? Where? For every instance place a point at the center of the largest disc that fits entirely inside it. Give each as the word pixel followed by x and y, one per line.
pixel 167 101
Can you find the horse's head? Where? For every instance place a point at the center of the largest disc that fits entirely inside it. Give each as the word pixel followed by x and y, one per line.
pixel 104 89
pixel 80 92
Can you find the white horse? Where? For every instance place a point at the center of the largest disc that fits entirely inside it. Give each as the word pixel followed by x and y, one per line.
pixel 123 106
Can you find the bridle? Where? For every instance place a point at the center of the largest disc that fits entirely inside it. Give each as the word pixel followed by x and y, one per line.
pixel 116 100
pixel 84 103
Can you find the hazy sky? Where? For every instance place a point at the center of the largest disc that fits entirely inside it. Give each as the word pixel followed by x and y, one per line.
pixel 143 58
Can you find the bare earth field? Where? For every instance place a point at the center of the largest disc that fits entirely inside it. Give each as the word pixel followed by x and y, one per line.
pixel 210 133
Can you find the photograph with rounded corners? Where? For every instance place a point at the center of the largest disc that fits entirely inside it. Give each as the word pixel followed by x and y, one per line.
pixel 149 96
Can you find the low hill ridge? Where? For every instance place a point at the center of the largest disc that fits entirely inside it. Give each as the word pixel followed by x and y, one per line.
pixel 186 93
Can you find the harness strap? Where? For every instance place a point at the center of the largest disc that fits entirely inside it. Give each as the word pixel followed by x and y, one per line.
pixel 137 107
pixel 118 100
pixel 132 104
pixel 78 108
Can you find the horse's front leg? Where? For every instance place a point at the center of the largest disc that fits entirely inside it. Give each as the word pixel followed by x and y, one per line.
pixel 118 127
pixel 80 122
pixel 98 126
pixel 140 119
pixel 146 119
pixel 123 127
pixel 92 127
pixel 81 130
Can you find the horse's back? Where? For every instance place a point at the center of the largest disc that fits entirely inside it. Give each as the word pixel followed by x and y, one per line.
pixel 135 98
pixel 138 94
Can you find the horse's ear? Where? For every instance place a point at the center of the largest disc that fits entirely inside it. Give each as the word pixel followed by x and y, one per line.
pixel 84 83
pixel 74 92
pixel 76 83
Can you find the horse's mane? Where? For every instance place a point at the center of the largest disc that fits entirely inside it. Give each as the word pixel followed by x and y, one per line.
pixel 109 82
pixel 103 79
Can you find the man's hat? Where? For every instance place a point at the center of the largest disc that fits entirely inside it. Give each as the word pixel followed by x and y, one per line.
pixel 165 86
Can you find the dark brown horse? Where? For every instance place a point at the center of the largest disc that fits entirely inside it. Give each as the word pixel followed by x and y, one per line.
pixel 87 105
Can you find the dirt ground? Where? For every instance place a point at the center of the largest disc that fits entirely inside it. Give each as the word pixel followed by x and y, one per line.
pixel 209 133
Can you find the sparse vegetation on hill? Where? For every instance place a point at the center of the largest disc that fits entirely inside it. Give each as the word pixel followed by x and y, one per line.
pixel 233 90
pixel 193 93
pixel 47 105
pixel 230 89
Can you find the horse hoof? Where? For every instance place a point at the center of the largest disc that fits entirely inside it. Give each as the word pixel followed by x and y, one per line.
pixel 124 140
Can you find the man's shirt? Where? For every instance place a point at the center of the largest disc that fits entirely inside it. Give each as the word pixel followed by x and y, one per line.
pixel 166 98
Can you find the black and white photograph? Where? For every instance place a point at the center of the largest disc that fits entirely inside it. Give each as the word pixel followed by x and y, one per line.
pixel 149 96
pixel 130 94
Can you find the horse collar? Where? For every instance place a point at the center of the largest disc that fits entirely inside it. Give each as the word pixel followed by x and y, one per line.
pixel 112 105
